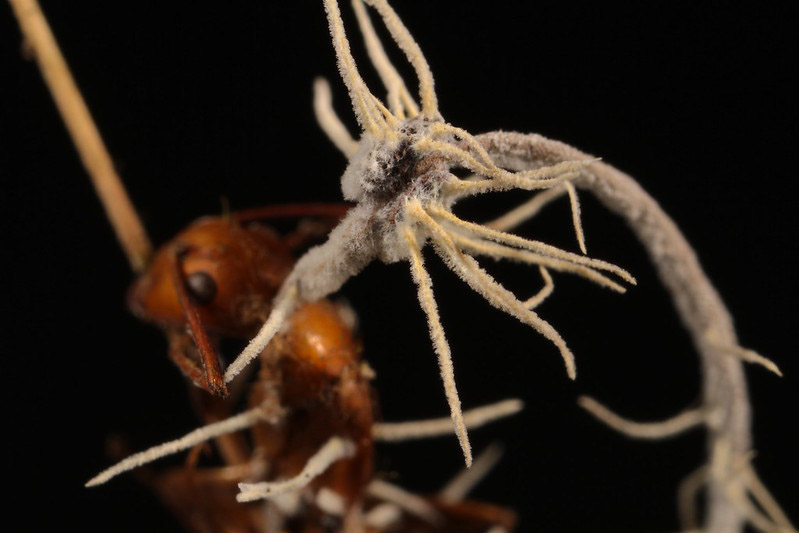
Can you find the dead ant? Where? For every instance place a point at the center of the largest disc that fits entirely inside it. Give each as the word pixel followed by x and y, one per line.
pixel 311 408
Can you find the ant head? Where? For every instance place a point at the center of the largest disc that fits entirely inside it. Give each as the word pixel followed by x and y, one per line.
pixel 228 270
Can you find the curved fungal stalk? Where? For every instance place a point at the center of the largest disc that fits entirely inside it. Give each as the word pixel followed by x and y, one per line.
pixel 440 344
pixel 644 430
pixel 335 449
pixel 400 175
pixel 327 119
pixel 734 494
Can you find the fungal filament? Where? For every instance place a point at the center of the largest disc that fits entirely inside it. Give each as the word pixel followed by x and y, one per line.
pixel 400 174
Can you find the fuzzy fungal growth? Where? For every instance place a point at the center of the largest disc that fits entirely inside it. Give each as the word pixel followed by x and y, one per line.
pixel 400 175
pixel 403 175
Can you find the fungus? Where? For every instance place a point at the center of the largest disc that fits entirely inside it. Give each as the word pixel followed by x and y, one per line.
pixel 400 174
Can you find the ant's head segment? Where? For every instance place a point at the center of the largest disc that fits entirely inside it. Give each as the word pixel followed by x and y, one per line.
pixel 229 273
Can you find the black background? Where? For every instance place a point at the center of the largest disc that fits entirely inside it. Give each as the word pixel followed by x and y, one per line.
pixel 197 102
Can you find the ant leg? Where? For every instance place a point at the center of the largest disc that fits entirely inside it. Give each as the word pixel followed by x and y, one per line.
pixel 204 503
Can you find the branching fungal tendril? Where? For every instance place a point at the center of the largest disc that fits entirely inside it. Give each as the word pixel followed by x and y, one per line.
pixel 400 175
pixel 386 432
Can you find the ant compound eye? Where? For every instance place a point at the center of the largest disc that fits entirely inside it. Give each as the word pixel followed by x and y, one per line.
pixel 201 287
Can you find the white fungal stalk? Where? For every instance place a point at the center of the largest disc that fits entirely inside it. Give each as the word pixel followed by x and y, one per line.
pixel 400 176
pixel 425 429
pixel 335 449
pixel 198 436
pixel 407 501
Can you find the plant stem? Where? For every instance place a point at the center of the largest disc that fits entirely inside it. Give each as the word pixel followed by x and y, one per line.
pixel 93 153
